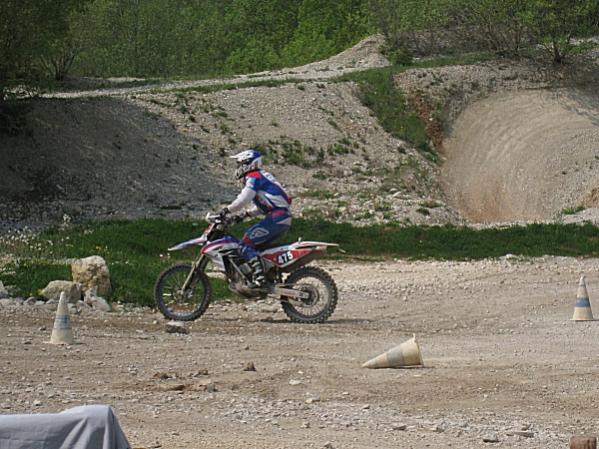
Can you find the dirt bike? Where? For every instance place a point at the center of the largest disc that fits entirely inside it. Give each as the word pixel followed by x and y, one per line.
pixel 308 294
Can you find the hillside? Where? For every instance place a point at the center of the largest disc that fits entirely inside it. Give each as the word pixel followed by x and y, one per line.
pixel 518 148
pixel 162 151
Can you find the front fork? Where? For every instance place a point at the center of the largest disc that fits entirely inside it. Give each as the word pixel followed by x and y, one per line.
pixel 198 266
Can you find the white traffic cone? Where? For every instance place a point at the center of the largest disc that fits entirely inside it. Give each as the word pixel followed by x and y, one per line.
pixel 62 334
pixel 404 355
pixel 582 309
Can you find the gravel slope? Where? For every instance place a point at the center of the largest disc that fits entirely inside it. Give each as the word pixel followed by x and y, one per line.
pixel 148 151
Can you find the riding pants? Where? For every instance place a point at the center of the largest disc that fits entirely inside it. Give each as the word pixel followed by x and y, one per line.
pixel 273 226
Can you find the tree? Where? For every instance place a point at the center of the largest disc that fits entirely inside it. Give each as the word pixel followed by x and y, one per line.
pixel 507 27
pixel 326 28
pixel 492 25
pixel 412 25
pixel 28 31
pixel 554 23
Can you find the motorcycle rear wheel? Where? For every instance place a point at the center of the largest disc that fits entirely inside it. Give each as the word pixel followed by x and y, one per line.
pixel 179 305
pixel 323 296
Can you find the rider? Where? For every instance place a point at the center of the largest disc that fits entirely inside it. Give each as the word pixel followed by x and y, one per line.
pixel 269 198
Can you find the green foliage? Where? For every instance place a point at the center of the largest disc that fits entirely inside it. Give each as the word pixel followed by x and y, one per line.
pixel 174 38
pixel 397 116
pixel 213 37
pixel 411 25
pixel 379 93
pixel 30 31
pixel 325 28
pixel 254 56
pixel 29 276
pixel 572 210
pixel 553 23
pixel 290 152
pixel 451 242
pixel 507 27
pixel 398 55
pixel 136 250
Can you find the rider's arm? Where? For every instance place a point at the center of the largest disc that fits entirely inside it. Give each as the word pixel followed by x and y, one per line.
pixel 242 200
pixel 254 211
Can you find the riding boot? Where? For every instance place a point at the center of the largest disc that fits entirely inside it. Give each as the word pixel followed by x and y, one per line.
pixel 255 264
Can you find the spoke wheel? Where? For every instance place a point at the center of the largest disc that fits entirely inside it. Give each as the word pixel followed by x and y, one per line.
pixel 176 303
pixel 322 300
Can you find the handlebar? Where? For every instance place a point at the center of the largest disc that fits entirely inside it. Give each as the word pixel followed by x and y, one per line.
pixel 226 220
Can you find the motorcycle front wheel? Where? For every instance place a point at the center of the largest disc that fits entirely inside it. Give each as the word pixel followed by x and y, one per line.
pixel 322 300
pixel 176 303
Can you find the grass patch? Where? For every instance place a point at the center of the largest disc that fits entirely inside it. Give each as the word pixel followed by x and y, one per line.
pixel 290 152
pixel 572 210
pixel 136 250
pixel 394 113
pixel 317 194
pixel 32 275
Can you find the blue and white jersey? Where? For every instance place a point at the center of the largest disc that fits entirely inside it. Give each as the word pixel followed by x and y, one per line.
pixel 264 191
pixel 269 194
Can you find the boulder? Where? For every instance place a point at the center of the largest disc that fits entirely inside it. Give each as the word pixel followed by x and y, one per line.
pixel 96 302
pixel 7 302
pixel 71 289
pixel 92 272
pixel 176 327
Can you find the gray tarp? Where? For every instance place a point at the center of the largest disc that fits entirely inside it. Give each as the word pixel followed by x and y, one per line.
pixel 87 427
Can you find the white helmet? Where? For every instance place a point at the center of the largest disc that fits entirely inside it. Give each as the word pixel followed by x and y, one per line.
pixel 247 161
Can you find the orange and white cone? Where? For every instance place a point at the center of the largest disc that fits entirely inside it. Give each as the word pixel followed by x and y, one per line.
pixel 405 355
pixel 62 334
pixel 582 309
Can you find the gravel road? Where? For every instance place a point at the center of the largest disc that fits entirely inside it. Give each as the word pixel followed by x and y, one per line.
pixel 504 363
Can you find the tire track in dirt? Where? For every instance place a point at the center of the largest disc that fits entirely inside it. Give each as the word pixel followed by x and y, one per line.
pixel 525 155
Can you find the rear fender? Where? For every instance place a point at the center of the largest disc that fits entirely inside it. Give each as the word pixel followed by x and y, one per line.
pixel 305 260
pixel 289 257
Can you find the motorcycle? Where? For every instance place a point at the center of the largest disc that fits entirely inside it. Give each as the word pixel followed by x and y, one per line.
pixel 307 294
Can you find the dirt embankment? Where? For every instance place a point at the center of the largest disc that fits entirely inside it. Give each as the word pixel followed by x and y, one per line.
pixel 100 158
pixel 525 156
pixel 521 142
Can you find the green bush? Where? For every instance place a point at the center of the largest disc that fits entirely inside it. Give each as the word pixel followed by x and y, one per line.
pixel 379 93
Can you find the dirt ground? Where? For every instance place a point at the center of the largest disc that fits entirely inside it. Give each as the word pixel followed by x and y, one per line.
pixel 503 363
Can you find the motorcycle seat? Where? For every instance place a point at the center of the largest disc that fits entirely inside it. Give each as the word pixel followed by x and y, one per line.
pixel 269 245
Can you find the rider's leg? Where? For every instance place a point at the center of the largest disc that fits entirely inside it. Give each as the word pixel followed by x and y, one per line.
pixel 272 227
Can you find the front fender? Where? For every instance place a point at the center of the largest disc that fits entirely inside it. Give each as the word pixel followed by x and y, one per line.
pixel 199 241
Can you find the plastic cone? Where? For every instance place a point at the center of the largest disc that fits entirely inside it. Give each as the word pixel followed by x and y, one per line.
pixel 582 309
pixel 62 334
pixel 406 354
